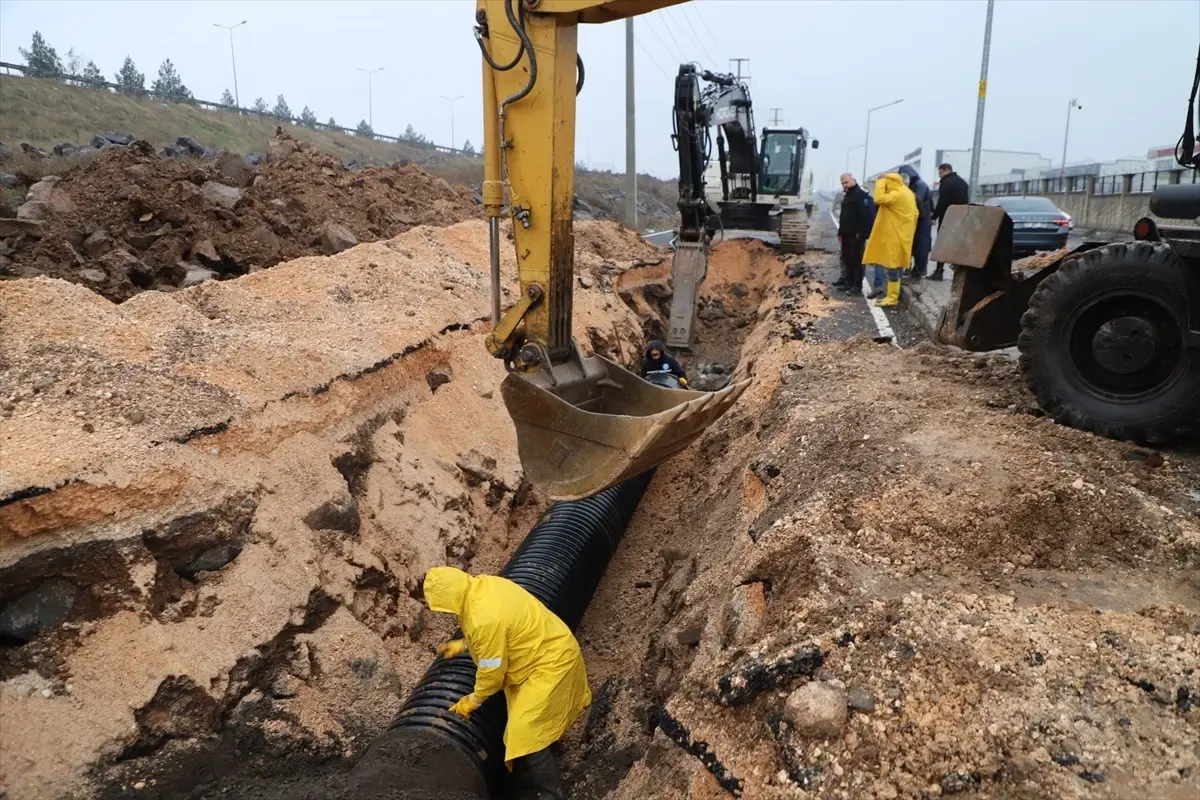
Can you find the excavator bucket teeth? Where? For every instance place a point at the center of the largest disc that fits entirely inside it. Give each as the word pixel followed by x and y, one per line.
pixel 578 437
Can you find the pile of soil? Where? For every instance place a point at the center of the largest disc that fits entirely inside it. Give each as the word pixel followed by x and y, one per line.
pixel 128 219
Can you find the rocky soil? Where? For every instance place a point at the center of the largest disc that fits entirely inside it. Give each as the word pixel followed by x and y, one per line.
pixel 127 219
pixel 882 574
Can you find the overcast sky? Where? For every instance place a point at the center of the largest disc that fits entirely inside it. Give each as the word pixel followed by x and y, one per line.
pixel 1129 62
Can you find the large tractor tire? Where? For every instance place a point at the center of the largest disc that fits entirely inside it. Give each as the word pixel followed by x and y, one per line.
pixel 793 232
pixel 1103 345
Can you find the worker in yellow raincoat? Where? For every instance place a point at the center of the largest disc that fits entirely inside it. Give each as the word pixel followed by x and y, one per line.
pixel 519 646
pixel 890 243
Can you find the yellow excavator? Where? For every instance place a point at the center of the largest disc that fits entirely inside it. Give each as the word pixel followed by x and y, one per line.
pixel 583 423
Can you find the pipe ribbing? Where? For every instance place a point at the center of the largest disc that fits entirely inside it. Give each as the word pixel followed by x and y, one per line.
pixel 560 562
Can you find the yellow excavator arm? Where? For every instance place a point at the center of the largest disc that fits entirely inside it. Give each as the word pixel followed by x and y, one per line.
pixel 583 423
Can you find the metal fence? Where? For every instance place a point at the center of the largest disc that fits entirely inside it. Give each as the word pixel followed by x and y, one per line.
pixel 77 80
pixel 1105 185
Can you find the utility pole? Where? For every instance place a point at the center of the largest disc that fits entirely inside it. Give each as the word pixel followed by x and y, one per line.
pixel 775 117
pixel 237 99
pixel 370 99
pixel 977 146
pixel 848 152
pixel 453 141
pixel 631 204
pixel 867 138
pixel 1073 104
pixel 739 61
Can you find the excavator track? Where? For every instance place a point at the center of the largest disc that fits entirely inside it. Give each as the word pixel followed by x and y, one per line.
pixel 793 232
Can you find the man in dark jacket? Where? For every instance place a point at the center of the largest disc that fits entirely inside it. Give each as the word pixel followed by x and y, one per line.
pixel 952 191
pixel 658 360
pixel 854 226
pixel 923 238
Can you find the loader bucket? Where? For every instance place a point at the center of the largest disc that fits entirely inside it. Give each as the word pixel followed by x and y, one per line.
pixel 593 424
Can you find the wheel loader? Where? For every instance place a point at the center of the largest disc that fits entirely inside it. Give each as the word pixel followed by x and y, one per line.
pixel 1109 334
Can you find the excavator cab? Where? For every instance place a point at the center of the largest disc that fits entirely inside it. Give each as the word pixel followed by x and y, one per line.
pixel 583 423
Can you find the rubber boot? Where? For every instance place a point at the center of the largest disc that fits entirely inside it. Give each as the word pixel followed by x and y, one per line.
pixel 938 274
pixel 536 777
pixel 892 298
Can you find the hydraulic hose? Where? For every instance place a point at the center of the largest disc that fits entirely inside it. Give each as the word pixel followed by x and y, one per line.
pixel 560 562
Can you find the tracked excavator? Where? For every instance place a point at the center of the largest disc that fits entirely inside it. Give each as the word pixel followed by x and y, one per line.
pixel 583 423
pixel 1109 334
pixel 761 186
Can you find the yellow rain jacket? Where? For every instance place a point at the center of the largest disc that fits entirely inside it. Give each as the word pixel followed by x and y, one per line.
pixel 519 646
pixel 891 240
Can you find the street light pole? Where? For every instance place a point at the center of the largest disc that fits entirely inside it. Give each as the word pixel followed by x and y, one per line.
pixel 848 152
pixel 370 98
pixel 867 139
pixel 1073 104
pixel 237 99
pixel 977 145
pixel 453 146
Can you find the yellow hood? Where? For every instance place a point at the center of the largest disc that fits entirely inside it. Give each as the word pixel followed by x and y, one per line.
pixel 446 589
pixel 893 180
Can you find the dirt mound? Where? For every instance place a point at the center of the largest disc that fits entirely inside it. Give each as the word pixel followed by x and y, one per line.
pixel 128 219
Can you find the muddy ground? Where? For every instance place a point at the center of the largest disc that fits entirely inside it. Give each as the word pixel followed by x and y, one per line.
pixel 220 503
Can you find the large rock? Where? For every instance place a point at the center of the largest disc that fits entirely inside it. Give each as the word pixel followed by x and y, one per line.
pixel 65 149
pixel 235 168
pixel 33 152
pixel 97 244
pixel 122 139
pixel 186 145
pixel 253 159
pixel 45 199
pixel 335 238
pixel 5 153
pixel 221 195
pixel 280 148
pixel 204 251
pixel 195 275
pixel 817 710
pixel 11 227
pixel 100 143
pixel 8 179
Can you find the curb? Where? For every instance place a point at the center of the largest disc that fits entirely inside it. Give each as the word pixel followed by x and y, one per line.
pixel 920 312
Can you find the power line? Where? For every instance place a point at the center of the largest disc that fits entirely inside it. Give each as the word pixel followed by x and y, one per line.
pixel 663 42
pixel 651 57
pixel 696 8
pixel 695 37
pixel 671 33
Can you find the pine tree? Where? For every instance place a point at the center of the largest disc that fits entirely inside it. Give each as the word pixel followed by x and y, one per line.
pixel 411 136
pixel 364 129
pixel 74 62
pixel 92 73
pixel 227 98
pixel 129 79
pixel 468 149
pixel 281 110
pixel 260 106
pixel 308 117
pixel 169 85
pixel 332 123
pixel 42 59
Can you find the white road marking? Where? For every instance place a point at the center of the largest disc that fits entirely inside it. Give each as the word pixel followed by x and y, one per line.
pixel 881 321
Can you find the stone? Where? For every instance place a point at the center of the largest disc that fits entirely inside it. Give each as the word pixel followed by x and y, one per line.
pixel 221 195
pixel 40 608
pixel 8 179
pixel 748 612
pixel 100 143
pixel 817 710
pixel 96 244
pixel 587 281
pixel 437 378
pixel 65 149
pixel 477 468
pixel 126 192
pixel 45 199
pixel 186 145
pixel 33 152
pixel 341 516
pixel 278 149
pixel 860 699
pixel 235 168
pixel 211 560
pixel 120 261
pixel 204 250
pixel 93 275
pixel 11 227
pixel 122 139
pixel 335 238
pixel 196 275
pixel 5 153
pixel 253 159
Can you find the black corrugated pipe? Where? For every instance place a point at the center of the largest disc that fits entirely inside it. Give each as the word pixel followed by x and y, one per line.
pixel 429 753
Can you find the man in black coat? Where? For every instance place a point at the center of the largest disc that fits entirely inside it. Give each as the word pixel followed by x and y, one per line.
pixel 923 238
pixel 952 191
pixel 854 226
pixel 657 359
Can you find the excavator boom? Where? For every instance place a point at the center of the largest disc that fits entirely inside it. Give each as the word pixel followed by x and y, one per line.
pixel 583 423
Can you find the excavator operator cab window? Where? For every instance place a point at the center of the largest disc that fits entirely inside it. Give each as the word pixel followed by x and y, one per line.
pixel 780 163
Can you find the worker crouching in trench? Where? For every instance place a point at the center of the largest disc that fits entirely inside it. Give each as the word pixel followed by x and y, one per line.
pixel 520 647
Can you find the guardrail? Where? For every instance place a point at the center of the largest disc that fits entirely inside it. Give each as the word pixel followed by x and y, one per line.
pixel 79 80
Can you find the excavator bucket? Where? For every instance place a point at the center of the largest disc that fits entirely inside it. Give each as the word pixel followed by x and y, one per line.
pixel 590 423
pixel 987 298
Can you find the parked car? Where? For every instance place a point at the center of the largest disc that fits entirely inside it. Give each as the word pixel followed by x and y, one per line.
pixel 1038 224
